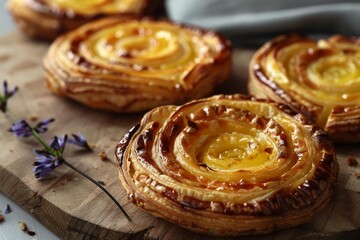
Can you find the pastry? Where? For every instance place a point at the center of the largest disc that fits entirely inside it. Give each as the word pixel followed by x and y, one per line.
pixel 47 19
pixel 228 165
pixel 318 78
pixel 131 65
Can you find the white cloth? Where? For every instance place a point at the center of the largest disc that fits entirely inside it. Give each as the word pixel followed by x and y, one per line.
pixel 258 18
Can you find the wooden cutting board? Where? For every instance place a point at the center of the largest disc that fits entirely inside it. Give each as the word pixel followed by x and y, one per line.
pixel 72 207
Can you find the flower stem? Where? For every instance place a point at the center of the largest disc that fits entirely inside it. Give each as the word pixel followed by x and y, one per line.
pixel 46 146
pixel 99 186
pixel 10 114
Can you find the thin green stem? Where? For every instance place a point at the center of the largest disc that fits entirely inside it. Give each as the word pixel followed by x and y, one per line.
pixel 10 114
pixel 99 186
pixel 46 146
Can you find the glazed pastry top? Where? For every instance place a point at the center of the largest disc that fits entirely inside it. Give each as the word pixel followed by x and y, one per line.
pixel 71 8
pixel 320 75
pixel 227 158
pixel 148 52
pixel 128 64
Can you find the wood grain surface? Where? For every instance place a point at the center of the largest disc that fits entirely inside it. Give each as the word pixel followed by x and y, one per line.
pixel 73 208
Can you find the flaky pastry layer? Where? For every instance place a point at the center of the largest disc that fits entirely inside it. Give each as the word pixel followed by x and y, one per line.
pixel 228 165
pixel 131 65
pixel 47 19
pixel 319 78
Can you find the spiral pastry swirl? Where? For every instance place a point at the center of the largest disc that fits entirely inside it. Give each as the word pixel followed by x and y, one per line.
pixel 228 165
pixel 319 78
pixel 130 65
pixel 47 19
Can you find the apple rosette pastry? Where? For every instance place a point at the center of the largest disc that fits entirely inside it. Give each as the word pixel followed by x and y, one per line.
pixel 47 19
pixel 319 78
pixel 132 65
pixel 228 165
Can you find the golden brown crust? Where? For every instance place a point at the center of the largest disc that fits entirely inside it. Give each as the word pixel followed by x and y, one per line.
pixel 228 165
pixel 131 65
pixel 45 19
pixel 318 78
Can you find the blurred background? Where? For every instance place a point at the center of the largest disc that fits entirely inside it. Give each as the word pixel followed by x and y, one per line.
pixel 6 24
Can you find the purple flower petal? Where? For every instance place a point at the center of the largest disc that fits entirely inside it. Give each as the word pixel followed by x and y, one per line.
pixel 21 129
pixel 58 144
pixel 5 88
pixel 79 140
pixel 43 172
pixel 43 157
pixel 12 92
pixel 42 167
pixel 8 209
pixel 6 92
pixel 46 161
pixel 41 127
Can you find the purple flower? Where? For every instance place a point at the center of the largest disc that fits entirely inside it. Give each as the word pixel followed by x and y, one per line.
pixel 41 127
pixel 23 129
pixel 6 92
pixel 48 159
pixel 80 141
pixel 45 163
pixel 8 209
pixel 58 144
pixel 5 96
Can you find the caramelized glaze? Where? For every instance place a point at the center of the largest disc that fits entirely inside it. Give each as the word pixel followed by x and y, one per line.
pixel 47 19
pixel 315 77
pixel 130 65
pixel 228 165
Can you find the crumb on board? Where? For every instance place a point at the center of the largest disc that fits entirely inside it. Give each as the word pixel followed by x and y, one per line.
pixel 33 118
pixel 66 179
pixel 357 175
pixel 351 161
pixel 23 226
pixel 2 219
pixel 103 156
pixel 32 211
pixel 101 182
